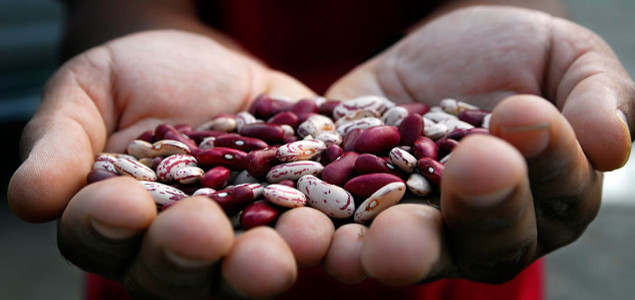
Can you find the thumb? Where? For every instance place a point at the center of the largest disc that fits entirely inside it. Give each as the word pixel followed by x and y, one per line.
pixel 59 143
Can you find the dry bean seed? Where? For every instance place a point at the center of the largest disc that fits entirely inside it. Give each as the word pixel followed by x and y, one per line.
pixel 284 196
pixel 383 198
pixel 330 199
pixel 293 170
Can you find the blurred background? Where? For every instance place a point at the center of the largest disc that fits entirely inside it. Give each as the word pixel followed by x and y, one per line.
pixel 598 266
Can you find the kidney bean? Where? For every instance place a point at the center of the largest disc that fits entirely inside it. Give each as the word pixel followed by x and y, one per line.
pixel 363 186
pixel 265 106
pixel 285 118
pixel 425 147
pixel 293 170
pixel 216 178
pixel 474 117
pixel 348 144
pixel 431 169
pixel 199 135
pixel 378 140
pixel 239 142
pixel 368 163
pixel 259 213
pixel 221 156
pixel 270 133
pixel 395 115
pixel 305 106
pixel 330 199
pixel 99 174
pixel 327 107
pixel 260 161
pixel 331 153
pixel 233 200
pixel 300 150
pixel 147 136
pixel 284 196
pixel 340 170
pixel 415 108
pixel 383 198
pixel 410 129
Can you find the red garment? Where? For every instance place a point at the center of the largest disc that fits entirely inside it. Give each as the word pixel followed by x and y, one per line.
pixel 528 285
pixel 318 42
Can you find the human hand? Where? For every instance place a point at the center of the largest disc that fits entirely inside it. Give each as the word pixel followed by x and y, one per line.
pixel 530 188
pixel 100 101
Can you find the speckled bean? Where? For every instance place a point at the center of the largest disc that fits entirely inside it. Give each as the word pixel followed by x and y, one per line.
pixel 284 196
pixel 330 199
pixel 293 170
pixel 383 198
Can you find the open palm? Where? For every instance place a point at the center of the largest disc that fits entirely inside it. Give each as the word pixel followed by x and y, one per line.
pixel 557 92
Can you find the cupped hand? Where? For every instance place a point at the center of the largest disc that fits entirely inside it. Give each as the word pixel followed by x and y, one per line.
pixel 562 105
pixel 100 101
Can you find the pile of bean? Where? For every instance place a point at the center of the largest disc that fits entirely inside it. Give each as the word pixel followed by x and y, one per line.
pixel 349 159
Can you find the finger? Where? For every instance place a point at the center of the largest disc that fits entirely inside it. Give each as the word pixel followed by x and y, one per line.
pixel 594 93
pixel 179 251
pixel 566 189
pixel 343 260
pixel 360 81
pixel 59 143
pixel 405 245
pixel 488 209
pixel 101 229
pixel 308 232
pixel 260 265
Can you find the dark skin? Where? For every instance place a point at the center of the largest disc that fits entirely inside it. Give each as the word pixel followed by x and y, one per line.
pixel 507 199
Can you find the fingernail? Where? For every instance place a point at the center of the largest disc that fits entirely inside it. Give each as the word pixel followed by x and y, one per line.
pixel 186 262
pixel 622 117
pixel 111 232
pixel 529 140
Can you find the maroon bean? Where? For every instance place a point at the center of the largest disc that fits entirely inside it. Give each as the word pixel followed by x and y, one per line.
pixel 368 163
pixel 410 129
pixel 361 187
pixel 221 156
pixel 177 136
pixel 378 140
pixel 348 144
pixel 446 145
pixel 242 143
pixel 425 147
pixel 327 107
pixel 339 171
pixel 260 161
pixel 199 135
pixel 431 169
pixel 264 107
pixel 304 106
pixel 147 136
pixel 186 188
pixel 99 174
pixel 233 200
pixel 473 116
pixel 285 118
pixel 161 129
pixel 416 108
pixel 331 153
pixel 304 116
pixel 259 213
pixel 270 133
pixel 216 178
pixel 183 127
